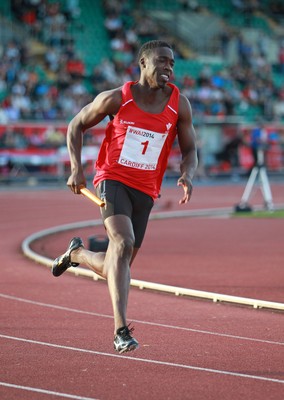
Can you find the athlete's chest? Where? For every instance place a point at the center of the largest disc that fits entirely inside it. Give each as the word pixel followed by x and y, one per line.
pixel 133 117
pixel 156 107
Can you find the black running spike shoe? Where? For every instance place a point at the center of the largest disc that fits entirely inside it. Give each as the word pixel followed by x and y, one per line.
pixel 123 341
pixel 63 262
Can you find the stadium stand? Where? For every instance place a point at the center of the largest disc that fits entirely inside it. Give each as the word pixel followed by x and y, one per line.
pixel 57 55
pixel 90 45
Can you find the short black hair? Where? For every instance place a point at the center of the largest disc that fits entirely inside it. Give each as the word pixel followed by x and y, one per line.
pixel 148 47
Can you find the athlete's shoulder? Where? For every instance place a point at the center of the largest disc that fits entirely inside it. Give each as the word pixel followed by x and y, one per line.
pixel 183 100
pixel 184 107
pixel 109 101
pixel 117 94
pixel 112 94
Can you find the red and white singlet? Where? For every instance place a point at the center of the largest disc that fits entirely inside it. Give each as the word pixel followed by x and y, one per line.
pixel 137 144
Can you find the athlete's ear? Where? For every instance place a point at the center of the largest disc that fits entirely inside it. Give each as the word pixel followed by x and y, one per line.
pixel 142 62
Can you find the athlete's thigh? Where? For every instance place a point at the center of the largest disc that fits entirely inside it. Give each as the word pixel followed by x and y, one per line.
pixel 117 212
pixel 116 198
pixel 125 201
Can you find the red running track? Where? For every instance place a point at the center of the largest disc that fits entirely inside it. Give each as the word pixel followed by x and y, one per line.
pixel 56 334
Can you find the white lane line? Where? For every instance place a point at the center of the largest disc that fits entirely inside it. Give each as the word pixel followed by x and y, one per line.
pixel 178 291
pixel 74 310
pixel 143 360
pixel 50 392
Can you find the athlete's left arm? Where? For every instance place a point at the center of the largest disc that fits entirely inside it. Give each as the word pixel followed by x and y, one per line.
pixel 187 143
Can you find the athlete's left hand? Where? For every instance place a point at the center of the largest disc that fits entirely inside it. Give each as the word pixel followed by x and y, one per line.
pixel 187 186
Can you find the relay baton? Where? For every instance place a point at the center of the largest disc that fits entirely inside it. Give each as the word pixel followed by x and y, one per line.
pixel 86 192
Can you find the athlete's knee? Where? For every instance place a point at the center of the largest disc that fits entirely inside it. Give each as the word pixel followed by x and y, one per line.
pixel 124 246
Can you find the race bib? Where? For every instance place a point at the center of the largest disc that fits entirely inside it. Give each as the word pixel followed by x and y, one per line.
pixel 141 148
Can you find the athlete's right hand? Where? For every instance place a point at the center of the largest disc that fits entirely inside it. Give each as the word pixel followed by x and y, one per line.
pixel 76 181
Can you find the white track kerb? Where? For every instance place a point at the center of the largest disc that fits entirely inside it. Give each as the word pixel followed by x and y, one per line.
pixel 178 291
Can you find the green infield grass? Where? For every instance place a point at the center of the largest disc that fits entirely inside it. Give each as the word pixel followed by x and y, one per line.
pixel 260 214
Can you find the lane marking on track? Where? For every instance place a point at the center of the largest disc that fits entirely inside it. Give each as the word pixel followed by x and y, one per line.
pixel 74 310
pixel 178 291
pixel 50 392
pixel 143 360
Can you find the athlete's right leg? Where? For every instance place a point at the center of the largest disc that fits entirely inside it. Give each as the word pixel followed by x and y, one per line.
pixel 114 265
pixel 117 264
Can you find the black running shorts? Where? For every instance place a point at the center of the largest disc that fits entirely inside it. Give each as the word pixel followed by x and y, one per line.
pixel 122 199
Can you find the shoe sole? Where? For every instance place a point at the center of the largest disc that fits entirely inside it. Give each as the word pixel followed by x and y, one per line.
pixel 132 347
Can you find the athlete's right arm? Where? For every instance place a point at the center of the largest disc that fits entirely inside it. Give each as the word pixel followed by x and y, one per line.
pixel 106 103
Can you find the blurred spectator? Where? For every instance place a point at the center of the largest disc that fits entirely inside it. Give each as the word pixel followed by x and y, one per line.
pixel 75 67
pixel 53 138
pixel 230 151
pixel 13 139
pixel 277 8
pixel 113 24
pixel 72 9
pixel 258 140
pixel 225 37
pixel 58 85
pixel 245 51
pixel 278 107
pixel 190 5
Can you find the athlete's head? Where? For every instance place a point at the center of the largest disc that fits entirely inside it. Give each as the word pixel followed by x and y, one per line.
pixel 156 61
